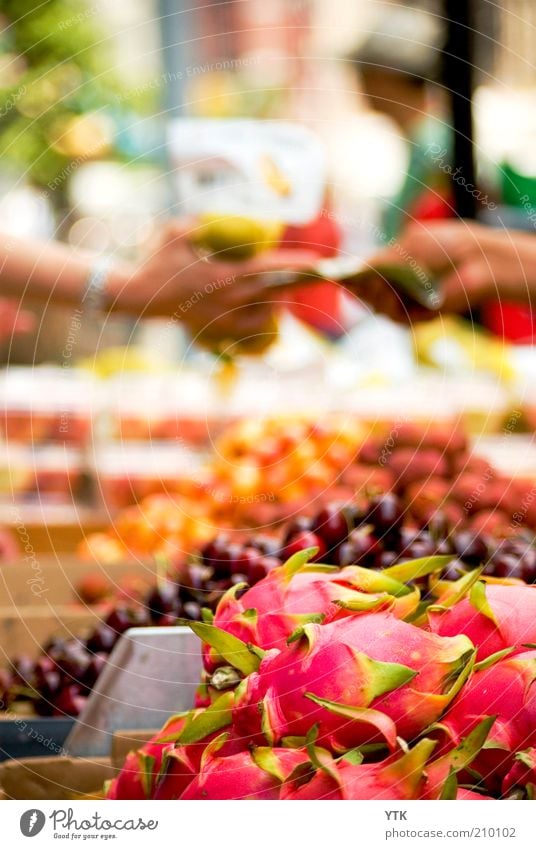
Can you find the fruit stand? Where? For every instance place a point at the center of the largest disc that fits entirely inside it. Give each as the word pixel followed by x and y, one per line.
pixel 406 529
pixel 267 405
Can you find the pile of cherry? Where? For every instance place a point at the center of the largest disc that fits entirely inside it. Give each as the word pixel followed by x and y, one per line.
pixel 374 533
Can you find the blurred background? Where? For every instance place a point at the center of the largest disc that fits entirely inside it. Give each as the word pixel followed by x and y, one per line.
pixel 397 95
pixel 88 91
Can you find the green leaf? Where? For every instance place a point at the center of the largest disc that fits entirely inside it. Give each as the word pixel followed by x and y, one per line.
pixel 266 760
pixel 323 568
pixel 320 758
pixel 358 602
pixel 452 595
pixel 450 788
pixel 207 615
pixel 459 588
pixel 211 748
pixel 527 758
pixel 468 661
pixel 302 619
pixel 418 568
pixel 297 561
pixel 354 757
pixel 470 746
pixel 369 581
pixel 233 650
pixel 459 758
pixel 380 721
pixel 174 736
pixel 479 601
pixel 305 632
pixel 293 742
pixel 217 715
pixel 408 770
pixel 147 764
pixel 384 677
pixel 492 659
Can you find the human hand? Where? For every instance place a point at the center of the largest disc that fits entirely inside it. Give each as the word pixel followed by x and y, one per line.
pixel 216 299
pixel 472 262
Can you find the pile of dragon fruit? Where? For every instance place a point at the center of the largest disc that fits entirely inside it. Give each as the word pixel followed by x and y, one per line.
pixel 326 682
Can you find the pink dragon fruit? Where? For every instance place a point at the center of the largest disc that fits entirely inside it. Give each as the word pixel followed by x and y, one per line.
pixel 183 738
pixel 504 689
pixel 298 592
pixel 403 775
pixel 256 774
pixel 494 617
pixel 522 775
pixel 136 779
pixel 182 765
pixel 396 777
pixel 351 675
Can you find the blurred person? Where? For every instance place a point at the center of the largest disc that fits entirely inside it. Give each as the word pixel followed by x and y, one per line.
pixel 224 299
pixel 397 66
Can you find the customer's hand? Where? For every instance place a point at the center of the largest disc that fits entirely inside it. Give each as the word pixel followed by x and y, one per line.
pixel 217 298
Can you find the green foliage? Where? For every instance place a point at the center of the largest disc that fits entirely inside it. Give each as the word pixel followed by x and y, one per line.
pixel 54 66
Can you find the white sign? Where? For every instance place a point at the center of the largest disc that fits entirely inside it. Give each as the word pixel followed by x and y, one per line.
pixel 270 170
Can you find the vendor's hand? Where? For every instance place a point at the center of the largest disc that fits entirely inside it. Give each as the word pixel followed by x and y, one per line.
pixel 221 299
pixel 13 320
pixel 473 264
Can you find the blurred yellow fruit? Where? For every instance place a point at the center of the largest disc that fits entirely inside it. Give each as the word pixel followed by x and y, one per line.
pixel 118 359
pixel 236 236
pixel 246 346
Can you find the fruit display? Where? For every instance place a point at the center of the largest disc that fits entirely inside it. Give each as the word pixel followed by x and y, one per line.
pixel 349 682
pixel 53 472
pixel 126 474
pixel 45 405
pixel 263 472
pixel 361 538
pixel 182 407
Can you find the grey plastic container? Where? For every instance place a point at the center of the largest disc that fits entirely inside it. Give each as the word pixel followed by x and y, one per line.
pixel 151 674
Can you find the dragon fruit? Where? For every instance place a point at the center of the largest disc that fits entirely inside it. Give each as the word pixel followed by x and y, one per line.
pixel 299 592
pixel 494 617
pixel 504 689
pixel 522 775
pixel 365 678
pixel 183 739
pixel 256 774
pixel 406 775
pixel 137 777
pixel 182 765
pixel 396 777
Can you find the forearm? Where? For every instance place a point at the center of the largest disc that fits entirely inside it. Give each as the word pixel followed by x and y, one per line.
pixel 47 271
